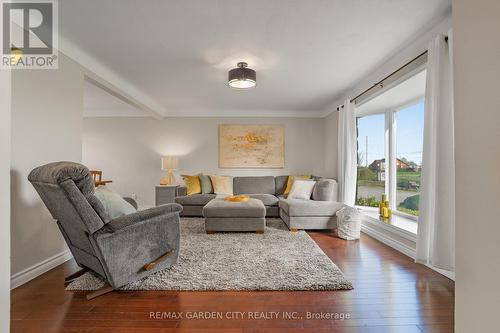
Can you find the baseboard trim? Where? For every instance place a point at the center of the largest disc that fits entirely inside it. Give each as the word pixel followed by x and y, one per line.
pixel 449 274
pixel 36 270
pixel 379 231
pixel 401 247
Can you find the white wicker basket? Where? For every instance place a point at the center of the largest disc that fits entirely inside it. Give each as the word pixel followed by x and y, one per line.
pixel 349 223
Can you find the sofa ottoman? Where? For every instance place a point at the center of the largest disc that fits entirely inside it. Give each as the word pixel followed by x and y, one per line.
pixel 221 215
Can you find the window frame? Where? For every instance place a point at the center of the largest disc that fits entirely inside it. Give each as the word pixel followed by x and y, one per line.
pixel 390 185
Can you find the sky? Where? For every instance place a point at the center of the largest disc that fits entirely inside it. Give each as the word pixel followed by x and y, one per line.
pixel 409 134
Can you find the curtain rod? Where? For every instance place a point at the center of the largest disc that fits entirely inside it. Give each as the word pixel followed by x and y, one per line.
pixel 381 82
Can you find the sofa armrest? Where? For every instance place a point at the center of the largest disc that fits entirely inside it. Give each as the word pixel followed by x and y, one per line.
pixel 325 190
pixel 181 191
pixel 143 215
pixel 335 194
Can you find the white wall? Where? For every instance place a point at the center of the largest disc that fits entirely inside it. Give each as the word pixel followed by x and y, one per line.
pixel 477 131
pixel 5 98
pixel 46 127
pixel 128 150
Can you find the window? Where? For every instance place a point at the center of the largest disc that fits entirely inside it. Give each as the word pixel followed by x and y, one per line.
pixel 390 130
pixel 371 161
pixel 409 144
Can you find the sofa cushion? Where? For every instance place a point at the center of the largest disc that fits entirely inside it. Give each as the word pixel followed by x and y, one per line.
pixel 254 185
pixel 192 183
pixel 300 207
pixel 290 181
pixel 206 184
pixel 302 189
pixel 324 190
pixel 222 184
pixel 267 199
pixel 180 191
pixel 280 184
pixel 195 199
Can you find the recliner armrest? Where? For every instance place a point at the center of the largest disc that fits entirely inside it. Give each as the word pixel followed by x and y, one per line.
pixel 142 215
pixel 129 242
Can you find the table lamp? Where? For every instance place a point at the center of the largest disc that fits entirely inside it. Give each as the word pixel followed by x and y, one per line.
pixel 169 164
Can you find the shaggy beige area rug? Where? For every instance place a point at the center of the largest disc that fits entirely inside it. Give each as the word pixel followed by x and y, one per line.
pixel 276 260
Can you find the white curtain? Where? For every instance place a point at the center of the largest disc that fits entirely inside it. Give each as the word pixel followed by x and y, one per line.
pixel 436 224
pixel 347 154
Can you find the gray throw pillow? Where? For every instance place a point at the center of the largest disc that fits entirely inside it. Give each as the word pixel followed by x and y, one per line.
pixel 206 184
pixel 323 190
pixel 114 205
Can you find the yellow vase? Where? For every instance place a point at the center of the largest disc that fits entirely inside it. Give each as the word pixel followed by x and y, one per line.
pixel 384 212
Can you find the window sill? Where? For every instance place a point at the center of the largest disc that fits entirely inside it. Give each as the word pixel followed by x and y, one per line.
pixel 406 224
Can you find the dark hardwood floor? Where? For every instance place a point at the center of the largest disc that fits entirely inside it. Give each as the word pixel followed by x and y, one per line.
pixel 391 294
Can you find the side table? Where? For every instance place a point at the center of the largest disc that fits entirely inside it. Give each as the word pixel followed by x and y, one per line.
pixel 165 194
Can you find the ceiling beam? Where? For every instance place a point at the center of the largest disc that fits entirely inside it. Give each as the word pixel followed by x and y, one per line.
pixel 103 77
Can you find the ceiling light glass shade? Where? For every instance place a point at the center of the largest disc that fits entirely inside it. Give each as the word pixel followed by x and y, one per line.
pixel 242 77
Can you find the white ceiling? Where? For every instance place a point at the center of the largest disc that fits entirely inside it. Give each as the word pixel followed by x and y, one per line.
pixel 306 53
pixel 401 95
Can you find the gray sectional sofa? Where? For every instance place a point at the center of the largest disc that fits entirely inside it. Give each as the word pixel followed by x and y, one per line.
pixel 317 213
pixel 265 188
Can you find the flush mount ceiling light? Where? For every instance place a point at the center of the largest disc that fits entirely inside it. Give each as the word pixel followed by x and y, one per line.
pixel 242 77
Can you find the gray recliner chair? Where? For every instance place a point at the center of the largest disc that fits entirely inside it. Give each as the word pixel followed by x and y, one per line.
pixel 120 251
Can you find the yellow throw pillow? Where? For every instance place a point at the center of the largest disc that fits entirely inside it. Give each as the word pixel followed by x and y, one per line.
pixel 222 184
pixel 193 184
pixel 290 181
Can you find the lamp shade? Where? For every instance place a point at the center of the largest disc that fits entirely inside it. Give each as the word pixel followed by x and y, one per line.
pixel 169 162
pixel 242 77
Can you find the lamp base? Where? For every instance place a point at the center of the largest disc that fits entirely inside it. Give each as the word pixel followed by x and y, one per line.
pixel 169 179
